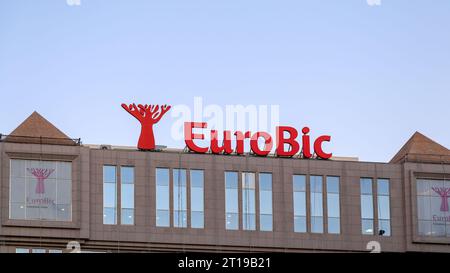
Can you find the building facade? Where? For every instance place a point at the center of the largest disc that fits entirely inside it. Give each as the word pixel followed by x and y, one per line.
pixel 118 199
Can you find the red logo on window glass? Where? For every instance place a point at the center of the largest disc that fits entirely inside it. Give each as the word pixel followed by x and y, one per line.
pixel 444 193
pixel 147 115
pixel 41 175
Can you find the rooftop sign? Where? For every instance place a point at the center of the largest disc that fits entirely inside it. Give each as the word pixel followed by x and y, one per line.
pixel 287 142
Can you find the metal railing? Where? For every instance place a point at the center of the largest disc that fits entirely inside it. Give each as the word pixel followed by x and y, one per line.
pixel 40 140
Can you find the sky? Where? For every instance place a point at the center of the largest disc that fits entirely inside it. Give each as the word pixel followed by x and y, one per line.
pixel 368 75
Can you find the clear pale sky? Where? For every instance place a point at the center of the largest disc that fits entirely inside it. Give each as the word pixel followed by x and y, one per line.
pixel 370 76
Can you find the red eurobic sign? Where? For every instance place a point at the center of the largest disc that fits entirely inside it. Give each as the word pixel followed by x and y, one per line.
pixel 285 146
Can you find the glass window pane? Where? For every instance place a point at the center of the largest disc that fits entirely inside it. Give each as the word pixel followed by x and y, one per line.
pixel 265 200
pixel 232 201
pixel 179 198
pixel 197 178
pixel 367 206
pixel 438 230
pixel 300 224
pixel 384 212
pixel 197 199
pixel 299 183
pixel 64 212
pixel 424 208
pixel 317 224
pixel 162 177
pixel 162 218
pixel 55 251
pixel 64 170
pixel 423 188
pixel 265 182
pixel 248 201
pixel 18 168
pixel 179 178
pixel 232 221
pixel 109 174
pixel 248 181
pixel 334 225
pixel 383 187
pixel 22 250
pixel 425 228
pixel 127 175
pixel 300 203
pixel 127 196
pixel 17 211
pixel 333 205
pixel 316 204
pixel 333 184
pixel 231 180
pixel 64 192
pixel 316 184
pixel 266 222
pixel 38 251
pixel 385 228
pixel 180 218
pixel 18 193
pixel 109 216
pixel 198 219
pixel 367 227
pixel 37 188
pixel 366 186
pixel 109 195
pixel 127 217
pixel 162 197
pixel 249 221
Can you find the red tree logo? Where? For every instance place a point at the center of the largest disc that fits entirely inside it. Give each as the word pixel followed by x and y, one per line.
pixel 148 115
pixel 41 175
pixel 444 193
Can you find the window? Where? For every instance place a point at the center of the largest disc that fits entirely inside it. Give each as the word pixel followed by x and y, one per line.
pixel 333 204
pixel 162 198
pixel 384 207
pixel 433 207
pixel 367 218
pixel 127 195
pixel 40 190
pixel 55 251
pixel 265 202
pixel 197 199
pixel 231 201
pixel 316 204
pixel 179 198
pixel 38 251
pixel 299 185
pixel 248 201
pixel 109 195
pixel 22 250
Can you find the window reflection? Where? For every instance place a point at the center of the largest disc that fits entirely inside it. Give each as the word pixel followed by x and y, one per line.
pixel 299 186
pixel 127 195
pixel 265 202
pixel 109 195
pixel 231 201
pixel 248 201
pixel 162 198
pixel 333 204
pixel 384 207
pixel 316 204
pixel 367 219
pixel 197 199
